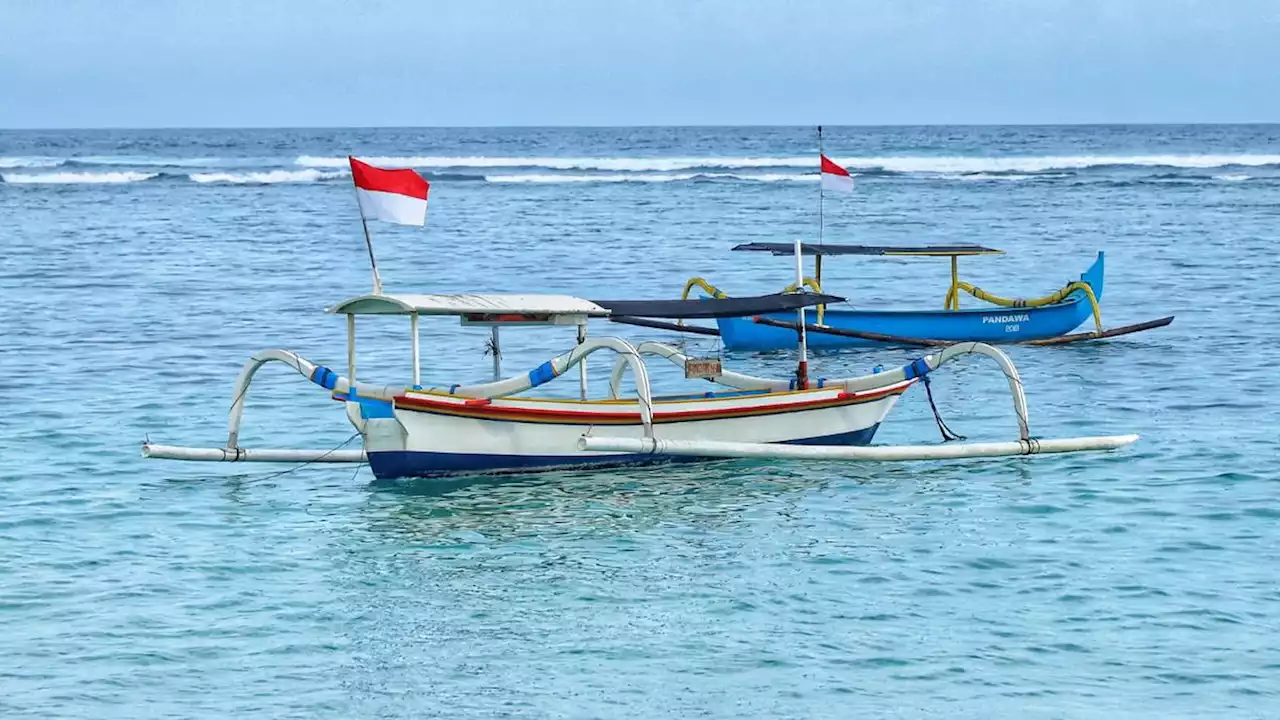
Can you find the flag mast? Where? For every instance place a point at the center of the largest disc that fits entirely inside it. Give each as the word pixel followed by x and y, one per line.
pixel 368 242
pixel 820 156
pixel 364 223
pixel 817 258
pixel 398 196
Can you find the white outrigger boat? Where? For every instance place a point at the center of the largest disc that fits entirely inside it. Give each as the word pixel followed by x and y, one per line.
pixel 411 431
pixel 493 427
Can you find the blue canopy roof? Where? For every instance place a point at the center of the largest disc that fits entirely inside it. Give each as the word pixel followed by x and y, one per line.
pixel 721 307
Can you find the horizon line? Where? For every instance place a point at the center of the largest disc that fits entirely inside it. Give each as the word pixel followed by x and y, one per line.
pixel 632 127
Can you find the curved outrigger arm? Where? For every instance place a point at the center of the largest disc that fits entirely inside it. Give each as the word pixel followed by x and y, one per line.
pixel 917 368
pixel 718 294
pixel 341 385
pixel 813 285
pixel 553 368
pixel 1025 445
pixel 628 356
pixel 952 301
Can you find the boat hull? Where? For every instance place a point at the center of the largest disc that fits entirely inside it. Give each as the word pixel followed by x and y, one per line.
pixel 988 325
pixel 433 435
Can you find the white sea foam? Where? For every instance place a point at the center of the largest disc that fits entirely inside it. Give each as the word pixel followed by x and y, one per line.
pixel 961 164
pixel 1232 177
pixel 774 177
pixel 628 177
pixel 615 164
pixel 897 164
pixel 901 164
pixel 648 177
pixel 269 177
pixel 65 178
pixel 29 162
pixel 985 177
pixel 143 161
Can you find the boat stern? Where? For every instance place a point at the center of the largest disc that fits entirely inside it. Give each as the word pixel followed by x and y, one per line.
pixel 1093 277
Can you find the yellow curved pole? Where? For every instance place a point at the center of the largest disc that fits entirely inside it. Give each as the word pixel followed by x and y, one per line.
pixel 717 293
pixel 809 282
pixel 710 289
pixel 813 285
pixel 953 298
pixel 707 287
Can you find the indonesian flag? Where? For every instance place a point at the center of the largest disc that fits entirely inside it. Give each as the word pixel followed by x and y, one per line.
pixel 398 196
pixel 835 177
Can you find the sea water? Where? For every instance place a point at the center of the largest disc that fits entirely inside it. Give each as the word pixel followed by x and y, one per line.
pixel 142 268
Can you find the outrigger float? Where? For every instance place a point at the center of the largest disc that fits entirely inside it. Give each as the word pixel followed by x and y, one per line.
pixel 494 427
pixel 1047 320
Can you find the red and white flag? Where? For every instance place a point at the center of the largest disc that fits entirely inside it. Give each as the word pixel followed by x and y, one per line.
pixel 398 196
pixel 835 177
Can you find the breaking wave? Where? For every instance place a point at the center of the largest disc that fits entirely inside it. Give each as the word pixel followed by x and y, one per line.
pixel 961 164
pixel 709 165
pixel 269 177
pixel 507 170
pixel 139 161
pixel 29 162
pixel 71 178
pixel 957 164
pixel 650 178
pixel 614 164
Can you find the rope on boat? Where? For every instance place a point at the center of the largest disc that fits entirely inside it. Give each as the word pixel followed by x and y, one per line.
pixel 299 466
pixel 953 298
pixel 947 433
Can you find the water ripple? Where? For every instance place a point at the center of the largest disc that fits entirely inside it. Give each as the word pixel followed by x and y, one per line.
pixel 1137 584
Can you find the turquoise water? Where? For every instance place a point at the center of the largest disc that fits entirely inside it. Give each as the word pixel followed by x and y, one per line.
pixel 143 267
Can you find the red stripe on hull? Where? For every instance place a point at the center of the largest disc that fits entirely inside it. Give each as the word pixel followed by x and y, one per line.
pixel 573 417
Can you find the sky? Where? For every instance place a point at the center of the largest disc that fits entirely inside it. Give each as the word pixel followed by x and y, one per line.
pixel 325 63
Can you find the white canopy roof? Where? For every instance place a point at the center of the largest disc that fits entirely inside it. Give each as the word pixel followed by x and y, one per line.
pixel 465 304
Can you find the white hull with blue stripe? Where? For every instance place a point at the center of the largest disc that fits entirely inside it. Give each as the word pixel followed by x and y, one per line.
pixel 437 434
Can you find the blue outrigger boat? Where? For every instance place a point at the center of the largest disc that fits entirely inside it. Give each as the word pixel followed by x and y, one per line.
pixel 1046 320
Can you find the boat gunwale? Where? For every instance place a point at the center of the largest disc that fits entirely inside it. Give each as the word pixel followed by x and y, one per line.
pixel 676 398
pixel 506 413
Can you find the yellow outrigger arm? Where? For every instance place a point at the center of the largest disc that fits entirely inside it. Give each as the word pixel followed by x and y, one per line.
pixel 953 297
pixel 954 252
pixel 719 294
pixel 707 287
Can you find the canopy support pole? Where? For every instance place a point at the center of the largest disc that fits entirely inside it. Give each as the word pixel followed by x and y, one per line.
pixel 802 370
pixel 496 348
pixel 351 348
pixel 582 366
pixel 817 280
pixel 955 283
pixel 417 368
